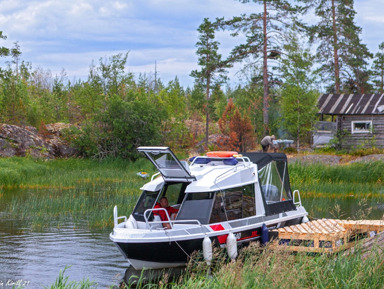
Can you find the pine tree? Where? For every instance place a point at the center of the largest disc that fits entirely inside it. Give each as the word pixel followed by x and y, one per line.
pixel 378 69
pixel 264 32
pixel 212 67
pixel 298 97
pixel 340 52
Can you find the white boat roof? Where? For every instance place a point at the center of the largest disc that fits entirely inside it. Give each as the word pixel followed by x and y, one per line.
pixel 214 176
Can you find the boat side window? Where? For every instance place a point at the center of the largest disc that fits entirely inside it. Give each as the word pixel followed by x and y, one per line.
pixel 146 201
pixel 196 206
pixel 249 205
pixel 273 180
pixel 233 204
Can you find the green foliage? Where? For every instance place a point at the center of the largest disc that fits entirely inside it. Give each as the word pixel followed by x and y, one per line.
pixel 298 100
pixel 341 54
pixel 212 67
pixel 64 283
pixel 378 69
pixel 119 129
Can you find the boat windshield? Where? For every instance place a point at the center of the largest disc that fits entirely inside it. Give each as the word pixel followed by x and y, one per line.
pixel 147 201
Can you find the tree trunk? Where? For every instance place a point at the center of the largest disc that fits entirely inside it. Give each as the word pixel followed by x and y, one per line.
pixel 382 81
pixel 207 113
pixel 265 73
pixel 335 49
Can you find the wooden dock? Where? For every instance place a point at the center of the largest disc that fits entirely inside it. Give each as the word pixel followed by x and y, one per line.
pixel 325 235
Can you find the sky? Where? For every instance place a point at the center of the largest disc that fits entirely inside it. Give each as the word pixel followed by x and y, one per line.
pixel 70 35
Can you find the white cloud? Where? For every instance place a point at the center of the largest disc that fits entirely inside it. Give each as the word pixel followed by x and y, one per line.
pixel 70 34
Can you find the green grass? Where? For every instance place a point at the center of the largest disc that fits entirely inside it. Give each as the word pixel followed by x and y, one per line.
pixel 51 193
pixel 43 194
pixel 263 268
pixel 337 191
pixel 62 282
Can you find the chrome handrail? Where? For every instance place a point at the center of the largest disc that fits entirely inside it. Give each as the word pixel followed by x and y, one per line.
pixel 172 222
pixel 154 175
pixel 116 218
pixel 298 204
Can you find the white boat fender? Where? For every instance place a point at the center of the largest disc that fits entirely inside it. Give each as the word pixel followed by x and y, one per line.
pixel 231 246
pixel 264 235
pixel 207 250
pixel 305 219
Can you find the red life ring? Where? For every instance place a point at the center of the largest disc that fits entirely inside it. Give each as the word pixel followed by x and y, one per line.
pixel 221 154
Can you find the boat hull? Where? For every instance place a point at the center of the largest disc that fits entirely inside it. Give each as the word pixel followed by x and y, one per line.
pixel 159 254
pixel 154 254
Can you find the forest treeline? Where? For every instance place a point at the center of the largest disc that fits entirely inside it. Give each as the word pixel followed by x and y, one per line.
pixel 285 64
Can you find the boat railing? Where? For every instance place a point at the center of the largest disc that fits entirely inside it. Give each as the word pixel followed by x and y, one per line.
pixel 246 160
pixel 154 175
pixel 116 218
pixel 298 203
pixel 149 224
pixel 246 163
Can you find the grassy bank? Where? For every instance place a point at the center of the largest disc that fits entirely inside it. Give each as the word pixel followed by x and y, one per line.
pixel 82 191
pixel 263 268
pixel 49 193
pixel 271 269
pixel 343 191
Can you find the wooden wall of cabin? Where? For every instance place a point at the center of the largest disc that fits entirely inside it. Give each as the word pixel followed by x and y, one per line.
pixel 359 140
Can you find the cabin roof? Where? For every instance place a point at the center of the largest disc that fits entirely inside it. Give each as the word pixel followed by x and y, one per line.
pixel 352 104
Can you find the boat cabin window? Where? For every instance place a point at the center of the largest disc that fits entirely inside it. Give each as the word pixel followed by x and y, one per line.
pixel 174 193
pixel 196 206
pixel 146 201
pixel 273 178
pixel 274 185
pixel 233 204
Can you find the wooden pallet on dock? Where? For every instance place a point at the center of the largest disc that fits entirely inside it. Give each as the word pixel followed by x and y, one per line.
pixel 324 235
pixel 363 225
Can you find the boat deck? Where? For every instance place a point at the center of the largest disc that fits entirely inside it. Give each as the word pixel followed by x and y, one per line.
pixel 325 235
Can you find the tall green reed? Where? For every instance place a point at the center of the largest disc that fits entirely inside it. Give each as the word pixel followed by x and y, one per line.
pixel 83 192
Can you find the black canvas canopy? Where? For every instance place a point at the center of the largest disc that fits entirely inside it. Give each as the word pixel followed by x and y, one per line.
pixel 262 159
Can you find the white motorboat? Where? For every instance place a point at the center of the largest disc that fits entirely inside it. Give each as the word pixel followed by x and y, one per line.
pixel 223 198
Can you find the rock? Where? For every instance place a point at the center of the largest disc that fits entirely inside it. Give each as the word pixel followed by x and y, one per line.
pixel 27 141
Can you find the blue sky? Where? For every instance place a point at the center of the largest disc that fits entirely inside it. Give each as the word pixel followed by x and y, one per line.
pixel 70 34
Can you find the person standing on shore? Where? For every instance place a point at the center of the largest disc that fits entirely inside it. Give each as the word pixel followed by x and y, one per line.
pixel 266 142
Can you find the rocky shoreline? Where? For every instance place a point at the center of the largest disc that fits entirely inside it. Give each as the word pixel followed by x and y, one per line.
pixel 28 141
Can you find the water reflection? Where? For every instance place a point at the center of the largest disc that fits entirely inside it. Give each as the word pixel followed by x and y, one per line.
pixel 38 257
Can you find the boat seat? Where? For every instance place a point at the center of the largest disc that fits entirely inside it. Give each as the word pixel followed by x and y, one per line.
pixel 156 226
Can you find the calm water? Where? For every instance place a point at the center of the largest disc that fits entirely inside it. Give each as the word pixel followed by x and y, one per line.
pixel 37 257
